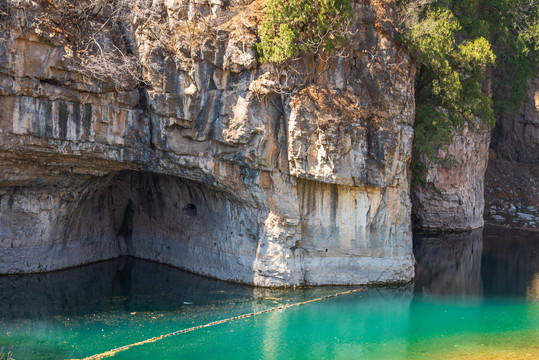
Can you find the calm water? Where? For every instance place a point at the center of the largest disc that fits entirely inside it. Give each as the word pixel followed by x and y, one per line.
pixel 476 296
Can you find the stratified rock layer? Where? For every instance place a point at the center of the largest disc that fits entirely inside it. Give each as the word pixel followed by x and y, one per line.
pixel 211 166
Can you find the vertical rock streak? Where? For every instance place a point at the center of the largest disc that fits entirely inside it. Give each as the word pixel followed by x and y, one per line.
pixel 211 166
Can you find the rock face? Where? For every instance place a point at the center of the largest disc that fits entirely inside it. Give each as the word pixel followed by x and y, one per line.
pixel 452 198
pixel 512 178
pixel 517 138
pixel 213 165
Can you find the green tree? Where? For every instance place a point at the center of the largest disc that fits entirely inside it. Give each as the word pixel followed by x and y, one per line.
pixel 450 78
pixel 454 41
pixel 294 26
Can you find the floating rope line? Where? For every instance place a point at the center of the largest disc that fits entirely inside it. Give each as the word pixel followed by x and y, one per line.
pixel 157 338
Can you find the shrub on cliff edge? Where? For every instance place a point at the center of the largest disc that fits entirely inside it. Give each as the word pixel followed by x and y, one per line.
pixel 454 42
pixel 294 26
pixel 450 77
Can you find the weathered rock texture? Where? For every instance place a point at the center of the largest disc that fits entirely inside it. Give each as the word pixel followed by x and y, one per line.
pixel 452 198
pixel 213 165
pixel 516 138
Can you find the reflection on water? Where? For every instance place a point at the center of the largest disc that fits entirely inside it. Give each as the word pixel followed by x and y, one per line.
pixel 449 264
pixel 510 261
pixel 492 262
pixel 97 307
pixel 470 291
pixel 125 283
pixel 128 284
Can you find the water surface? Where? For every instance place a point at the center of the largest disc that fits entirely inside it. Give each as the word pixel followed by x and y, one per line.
pixel 476 296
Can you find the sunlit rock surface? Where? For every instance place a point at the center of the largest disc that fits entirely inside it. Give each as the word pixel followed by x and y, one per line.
pixel 209 166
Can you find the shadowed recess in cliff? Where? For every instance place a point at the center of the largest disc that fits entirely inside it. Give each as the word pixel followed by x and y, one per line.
pixel 157 217
pixel 182 223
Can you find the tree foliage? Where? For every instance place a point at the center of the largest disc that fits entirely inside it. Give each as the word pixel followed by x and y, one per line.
pixel 455 43
pixel 513 28
pixel 451 72
pixel 294 26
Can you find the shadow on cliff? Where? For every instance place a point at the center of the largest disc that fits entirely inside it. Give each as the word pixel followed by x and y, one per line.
pixel 171 220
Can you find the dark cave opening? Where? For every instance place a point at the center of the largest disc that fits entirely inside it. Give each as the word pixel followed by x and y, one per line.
pixel 171 220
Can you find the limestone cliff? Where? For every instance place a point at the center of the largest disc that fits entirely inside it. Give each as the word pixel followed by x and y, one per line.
pixel 453 195
pixel 209 162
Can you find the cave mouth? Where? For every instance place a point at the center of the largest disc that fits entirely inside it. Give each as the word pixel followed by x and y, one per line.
pixel 170 220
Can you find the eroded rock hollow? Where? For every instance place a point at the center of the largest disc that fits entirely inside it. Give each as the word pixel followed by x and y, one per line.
pixel 212 165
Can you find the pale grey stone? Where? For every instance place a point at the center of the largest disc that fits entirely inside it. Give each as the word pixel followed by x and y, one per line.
pixel 213 166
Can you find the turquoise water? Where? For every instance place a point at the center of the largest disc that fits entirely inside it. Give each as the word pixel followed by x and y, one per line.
pixel 476 296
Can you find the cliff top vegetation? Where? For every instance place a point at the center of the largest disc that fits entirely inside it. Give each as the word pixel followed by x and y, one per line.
pixel 474 58
pixel 294 26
